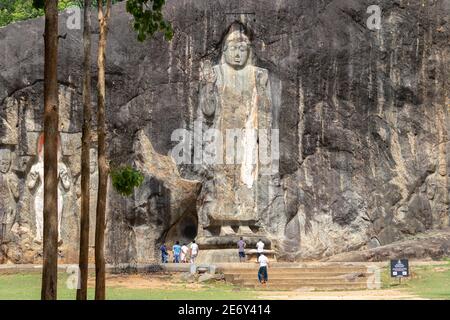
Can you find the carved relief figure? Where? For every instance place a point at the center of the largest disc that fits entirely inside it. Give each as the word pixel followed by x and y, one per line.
pixel 36 183
pixel 9 194
pixel 235 99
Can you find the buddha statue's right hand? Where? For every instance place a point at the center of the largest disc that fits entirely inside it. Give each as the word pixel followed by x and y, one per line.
pixel 207 74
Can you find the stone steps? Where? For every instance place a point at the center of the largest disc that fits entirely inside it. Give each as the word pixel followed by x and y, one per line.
pixel 231 256
pixel 294 277
pixel 282 277
pixel 252 255
pixel 300 273
pixel 300 282
pixel 311 264
pixel 322 270
pixel 306 287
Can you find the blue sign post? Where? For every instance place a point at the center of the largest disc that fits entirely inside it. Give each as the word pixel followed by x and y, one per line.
pixel 400 269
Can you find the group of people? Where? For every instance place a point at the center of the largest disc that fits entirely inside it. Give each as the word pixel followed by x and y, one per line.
pixel 180 252
pixel 180 255
pixel 262 259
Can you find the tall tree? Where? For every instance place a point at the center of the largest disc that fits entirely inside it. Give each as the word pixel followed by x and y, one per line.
pixel 103 167
pixel 51 118
pixel 85 156
pixel 148 19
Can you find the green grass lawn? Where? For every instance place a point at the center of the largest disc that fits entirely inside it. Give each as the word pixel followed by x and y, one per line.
pixel 431 282
pixel 27 286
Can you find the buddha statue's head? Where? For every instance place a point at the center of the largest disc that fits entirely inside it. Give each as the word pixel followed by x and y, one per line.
pixel 5 160
pixel 236 50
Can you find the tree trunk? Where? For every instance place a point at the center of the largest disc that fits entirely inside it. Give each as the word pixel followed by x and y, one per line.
pixel 85 156
pixel 102 161
pixel 50 241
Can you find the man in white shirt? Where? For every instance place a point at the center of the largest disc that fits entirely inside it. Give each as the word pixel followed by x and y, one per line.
pixel 194 251
pixel 263 265
pixel 259 247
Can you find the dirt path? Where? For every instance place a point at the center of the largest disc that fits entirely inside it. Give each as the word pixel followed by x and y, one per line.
pixel 173 282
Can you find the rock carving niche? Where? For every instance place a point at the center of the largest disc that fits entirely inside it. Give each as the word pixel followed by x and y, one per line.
pixel 9 193
pixel 184 230
pixel 36 185
pixel 235 100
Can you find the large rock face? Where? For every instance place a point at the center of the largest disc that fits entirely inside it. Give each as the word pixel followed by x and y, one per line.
pixel 362 114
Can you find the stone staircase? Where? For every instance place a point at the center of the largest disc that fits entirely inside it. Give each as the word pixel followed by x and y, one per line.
pixel 284 276
pixel 252 255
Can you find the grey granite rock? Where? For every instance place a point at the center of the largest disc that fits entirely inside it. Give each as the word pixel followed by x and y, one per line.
pixel 362 114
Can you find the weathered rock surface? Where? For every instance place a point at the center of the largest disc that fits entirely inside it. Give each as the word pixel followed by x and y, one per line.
pixel 162 209
pixel 363 119
pixel 209 277
pixel 432 244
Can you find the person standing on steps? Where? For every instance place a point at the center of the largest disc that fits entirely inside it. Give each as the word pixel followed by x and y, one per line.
pixel 241 248
pixel 176 252
pixel 263 266
pixel 194 251
pixel 259 247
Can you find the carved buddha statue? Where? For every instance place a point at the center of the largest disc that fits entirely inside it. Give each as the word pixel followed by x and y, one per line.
pixel 235 100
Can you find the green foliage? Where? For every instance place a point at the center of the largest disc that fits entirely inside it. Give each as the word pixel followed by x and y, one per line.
pixel 148 18
pixel 39 4
pixel 125 179
pixel 18 10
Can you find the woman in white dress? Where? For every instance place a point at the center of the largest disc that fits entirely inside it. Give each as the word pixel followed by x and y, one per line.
pixel 184 251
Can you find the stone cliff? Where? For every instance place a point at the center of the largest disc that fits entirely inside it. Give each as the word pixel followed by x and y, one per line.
pixel 362 116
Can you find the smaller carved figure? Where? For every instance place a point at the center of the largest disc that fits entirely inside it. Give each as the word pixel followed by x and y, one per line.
pixel 36 182
pixel 9 194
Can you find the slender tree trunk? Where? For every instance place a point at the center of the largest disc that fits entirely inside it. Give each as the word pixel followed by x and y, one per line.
pixel 102 161
pixel 51 118
pixel 85 156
